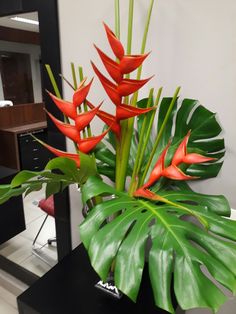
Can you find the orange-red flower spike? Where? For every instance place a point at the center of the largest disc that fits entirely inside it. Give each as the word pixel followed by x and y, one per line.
pixel 83 119
pixel 125 111
pixel 66 107
pixel 141 192
pixel 158 168
pixel 111 66
pixel 81 93
pixel 109 87
pixel 87 144
pixel 129 63
pixel 196 158
pixel 109 119
pixel 174 173
pixel 61 153
pixel 129 86
pixel 181 150
pixel 181 155
pixel 115 43
pixel 67 129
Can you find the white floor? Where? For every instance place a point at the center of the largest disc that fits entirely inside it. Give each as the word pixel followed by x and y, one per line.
pixel 19 248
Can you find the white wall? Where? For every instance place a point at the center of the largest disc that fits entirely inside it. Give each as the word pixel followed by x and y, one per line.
pixel 34 51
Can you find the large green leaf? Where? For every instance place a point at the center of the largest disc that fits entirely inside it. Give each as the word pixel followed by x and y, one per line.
pixel 191 115
pixel 179 248
pixel 59 173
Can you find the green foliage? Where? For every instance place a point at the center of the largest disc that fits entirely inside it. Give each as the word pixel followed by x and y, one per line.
pixel 179 246
pixel 59 173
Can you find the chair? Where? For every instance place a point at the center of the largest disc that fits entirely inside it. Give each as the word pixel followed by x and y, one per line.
pixel 46 205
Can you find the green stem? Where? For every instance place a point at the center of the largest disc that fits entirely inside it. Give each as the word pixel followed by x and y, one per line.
pixel 74 75
pixel 53 81
pixel 130 26
pixel 117 18
pixel 128 127
pixel 81 77
pixel 150 125
pixel 160 133
pixel 55 87
pixel 129 37
pixel 143 47
pixel 140 151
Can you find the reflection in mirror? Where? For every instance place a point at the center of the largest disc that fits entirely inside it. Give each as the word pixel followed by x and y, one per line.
pixel 27 234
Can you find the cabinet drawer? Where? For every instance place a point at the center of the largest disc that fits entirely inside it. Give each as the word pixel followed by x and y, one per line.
pixel 33 156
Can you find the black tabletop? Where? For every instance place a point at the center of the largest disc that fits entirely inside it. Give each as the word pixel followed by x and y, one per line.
pixel 6 173
pixel 69 288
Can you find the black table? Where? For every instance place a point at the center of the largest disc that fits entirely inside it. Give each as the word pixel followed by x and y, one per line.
pixel 12 219
pixel 68 288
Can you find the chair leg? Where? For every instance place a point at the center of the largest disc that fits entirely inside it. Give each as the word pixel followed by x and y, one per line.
pixel 40 230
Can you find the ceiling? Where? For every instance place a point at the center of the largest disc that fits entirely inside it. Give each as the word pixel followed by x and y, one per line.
pixel 7 22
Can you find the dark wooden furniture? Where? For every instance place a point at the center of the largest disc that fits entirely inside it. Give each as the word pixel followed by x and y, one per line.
pixel 21 151
pixel 12 220
pixel 68 288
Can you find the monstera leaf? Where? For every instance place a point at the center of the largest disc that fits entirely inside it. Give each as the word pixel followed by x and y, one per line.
pixel 58 174
pixel 204 127
pixel 181 249
pixel 188 115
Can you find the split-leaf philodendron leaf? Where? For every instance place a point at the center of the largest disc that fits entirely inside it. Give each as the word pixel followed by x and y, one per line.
pixel 180 247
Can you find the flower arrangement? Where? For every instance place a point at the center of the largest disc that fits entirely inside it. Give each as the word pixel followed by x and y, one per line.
pixel 148 199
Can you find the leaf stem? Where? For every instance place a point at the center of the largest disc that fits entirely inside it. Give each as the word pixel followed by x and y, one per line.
pixel 128 126
pixel 53 81
pixel 140 151
pixel 160 133
pixel 74 75
pixel 117 18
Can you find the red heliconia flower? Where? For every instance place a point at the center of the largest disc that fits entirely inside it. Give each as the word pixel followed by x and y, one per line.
pixel 111 66
pixel 117 70
pixel 129 86
pixel 87 144
pixel 60 153
pixel 67 129
pixel 174 173
pixel 110 88
pixel 66 107
pixel 109 119
pixel 81 93
pixel 158 168
pixel 125 111
pixel 115 43
pixel 130 63
pixel 83 119
pixel 141 192
pixel 181 155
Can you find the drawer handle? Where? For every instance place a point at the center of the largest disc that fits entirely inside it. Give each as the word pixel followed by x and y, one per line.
pixel 36 167
pixel 35 149
pixel 35 158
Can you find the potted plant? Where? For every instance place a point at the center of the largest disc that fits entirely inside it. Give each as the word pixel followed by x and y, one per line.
pixel 149 150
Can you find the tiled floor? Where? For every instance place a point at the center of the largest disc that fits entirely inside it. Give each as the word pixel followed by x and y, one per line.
pixel 19 248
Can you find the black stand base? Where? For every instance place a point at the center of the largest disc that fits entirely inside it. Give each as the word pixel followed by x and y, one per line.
pixel 69 288
pixel 109 288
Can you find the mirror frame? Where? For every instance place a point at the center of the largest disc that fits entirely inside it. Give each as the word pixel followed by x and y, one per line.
pixel 50 54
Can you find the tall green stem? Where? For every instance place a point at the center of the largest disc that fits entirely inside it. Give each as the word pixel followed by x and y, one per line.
pixel 160 133
pixel 128 127
pixel 117 18
pixel 140 151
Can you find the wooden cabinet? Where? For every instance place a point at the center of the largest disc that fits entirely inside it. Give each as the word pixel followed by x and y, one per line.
pixel 19 150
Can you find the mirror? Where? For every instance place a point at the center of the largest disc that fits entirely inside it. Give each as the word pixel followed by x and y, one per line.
pixel 23 80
